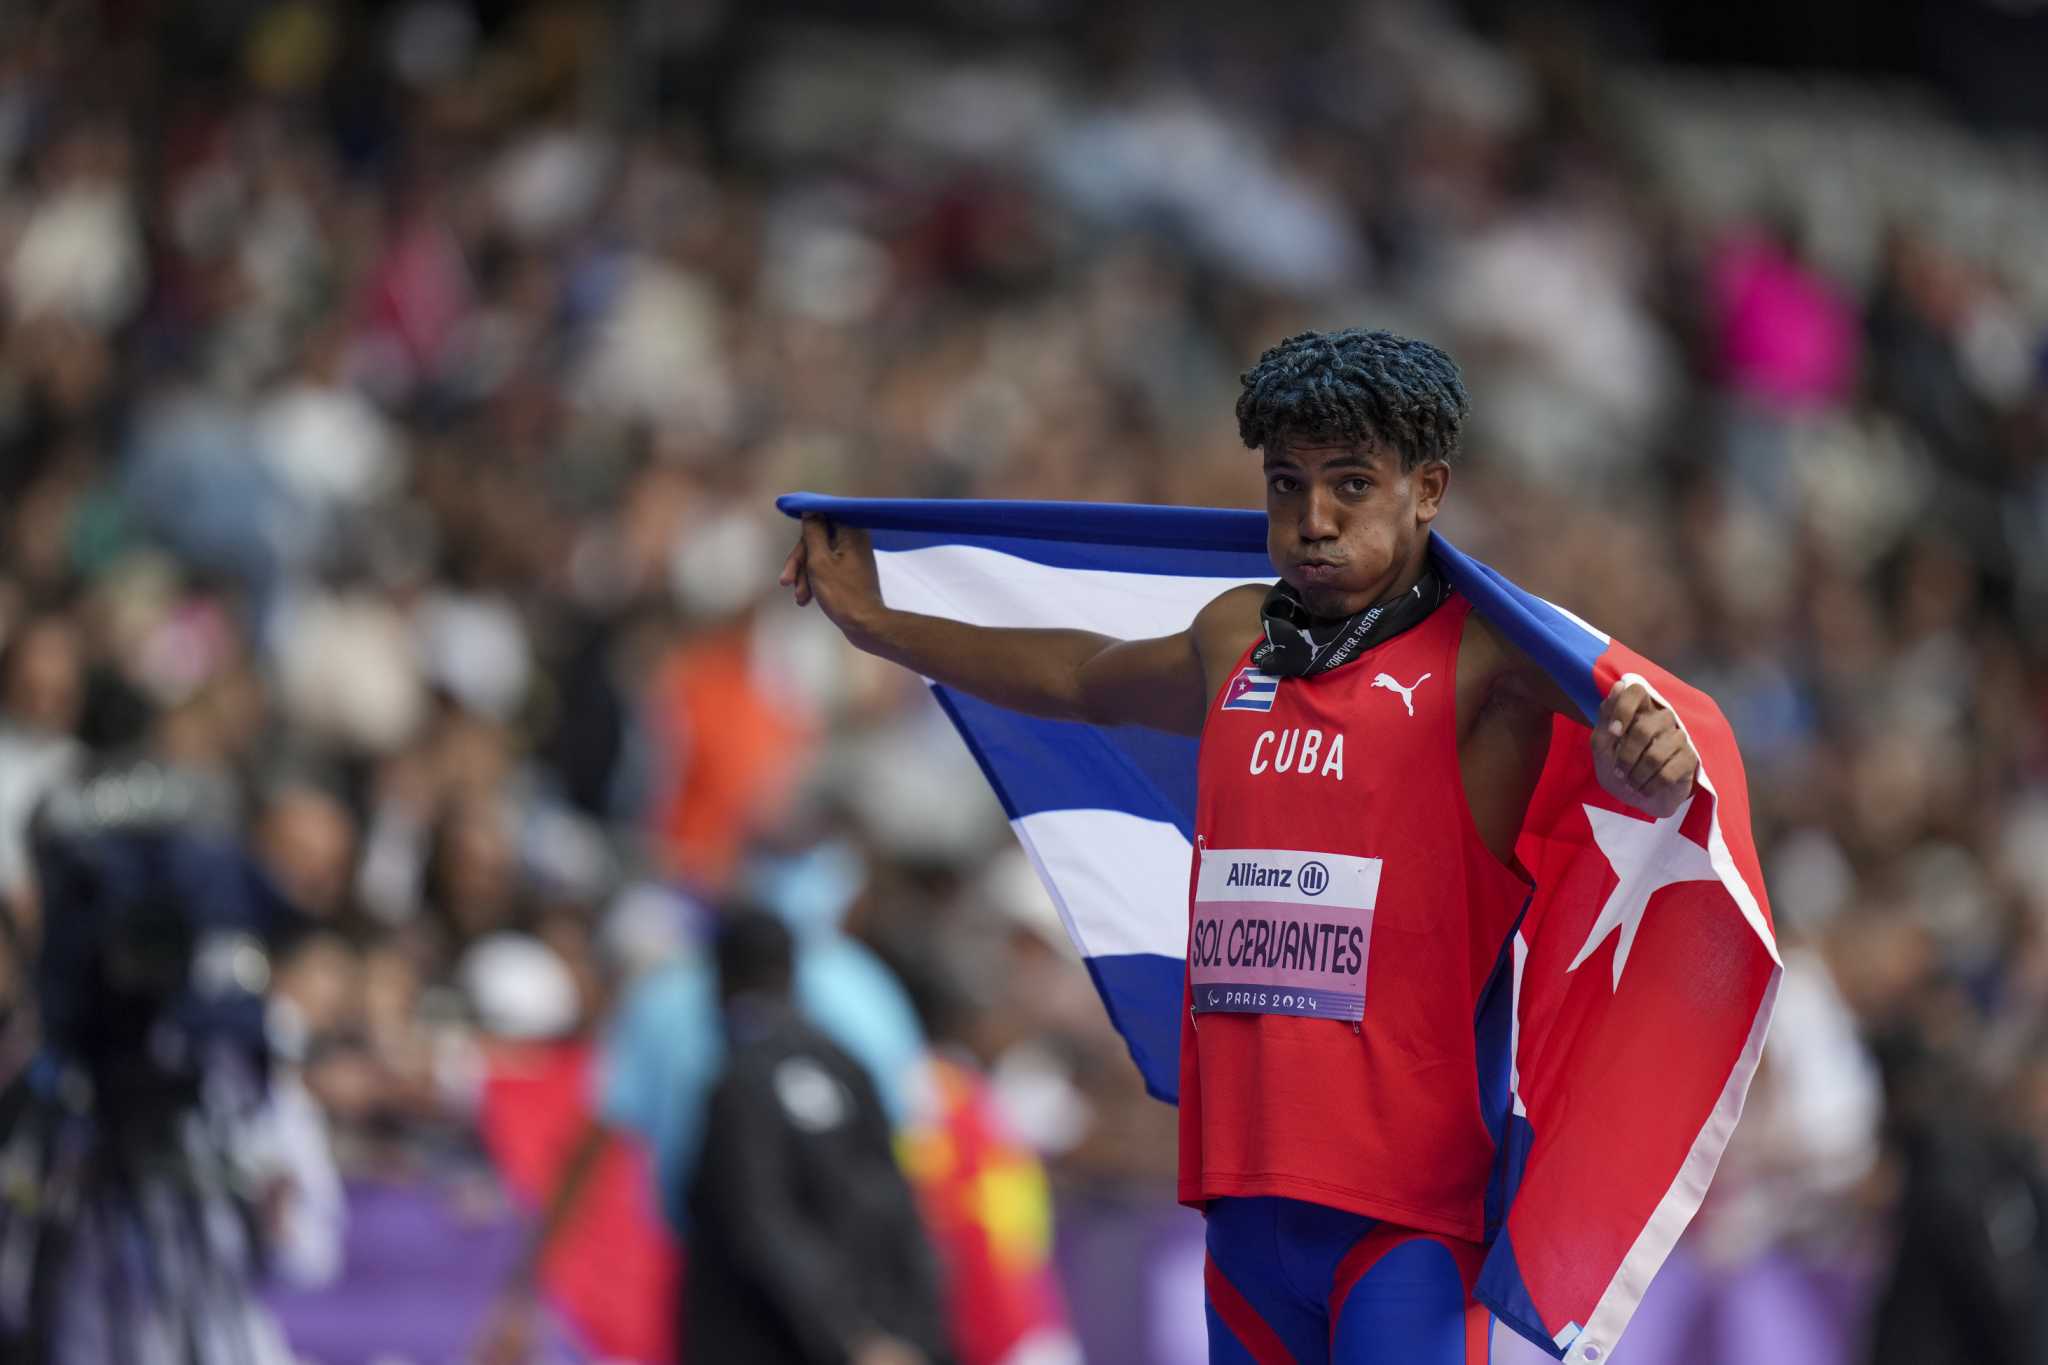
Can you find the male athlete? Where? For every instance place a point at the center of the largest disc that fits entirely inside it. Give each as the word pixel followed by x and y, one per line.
pixel 1342 1159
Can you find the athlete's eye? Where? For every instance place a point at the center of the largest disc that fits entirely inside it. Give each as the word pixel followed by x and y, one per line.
pixel 1357 488
pixel 1280 483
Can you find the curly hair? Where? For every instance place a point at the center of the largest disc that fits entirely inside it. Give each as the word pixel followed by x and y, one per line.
pixel 1355 385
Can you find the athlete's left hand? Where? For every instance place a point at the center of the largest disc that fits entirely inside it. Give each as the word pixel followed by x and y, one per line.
pixel 1640 755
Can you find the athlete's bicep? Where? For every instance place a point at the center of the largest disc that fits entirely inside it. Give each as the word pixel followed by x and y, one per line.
pixel 1544 691
pixel 1166 683
pixel 1511 676
pixel 1503 737
pixel 1156 683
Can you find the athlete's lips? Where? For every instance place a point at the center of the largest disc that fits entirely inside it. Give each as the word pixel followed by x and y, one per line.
pixel 1318 570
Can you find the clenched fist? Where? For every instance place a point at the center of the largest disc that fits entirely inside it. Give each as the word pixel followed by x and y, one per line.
pixel 1640 755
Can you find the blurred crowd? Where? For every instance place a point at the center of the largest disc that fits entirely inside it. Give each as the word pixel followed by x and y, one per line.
pixel 393 398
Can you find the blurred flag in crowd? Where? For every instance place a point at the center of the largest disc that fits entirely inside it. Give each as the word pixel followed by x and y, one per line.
pixel 613 1270
pixel 989 1211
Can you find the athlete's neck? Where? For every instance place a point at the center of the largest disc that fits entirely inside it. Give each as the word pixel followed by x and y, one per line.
pixel 1405 581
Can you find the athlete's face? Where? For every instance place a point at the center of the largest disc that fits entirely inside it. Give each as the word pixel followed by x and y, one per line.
pixel 1345 523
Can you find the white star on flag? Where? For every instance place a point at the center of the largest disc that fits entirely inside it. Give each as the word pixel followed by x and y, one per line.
pixel 1647 856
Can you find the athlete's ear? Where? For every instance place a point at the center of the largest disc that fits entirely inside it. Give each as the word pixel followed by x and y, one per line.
pixel 1431 480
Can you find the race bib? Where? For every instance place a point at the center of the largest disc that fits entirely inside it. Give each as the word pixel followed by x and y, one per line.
pixel 1279 931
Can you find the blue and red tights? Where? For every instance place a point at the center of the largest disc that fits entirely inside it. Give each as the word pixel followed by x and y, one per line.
pixel 1293 1283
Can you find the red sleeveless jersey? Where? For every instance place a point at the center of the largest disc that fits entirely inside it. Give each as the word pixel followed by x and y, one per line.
pixel 1345 920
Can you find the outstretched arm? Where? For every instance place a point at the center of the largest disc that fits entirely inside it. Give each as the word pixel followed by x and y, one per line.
pixel 1060 674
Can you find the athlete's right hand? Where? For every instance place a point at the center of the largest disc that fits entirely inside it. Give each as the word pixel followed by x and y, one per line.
pixel 834 566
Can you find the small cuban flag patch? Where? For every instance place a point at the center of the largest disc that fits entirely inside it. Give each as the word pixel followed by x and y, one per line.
pixel 1251 690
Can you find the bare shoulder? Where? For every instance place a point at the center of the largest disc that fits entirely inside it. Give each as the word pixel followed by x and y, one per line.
pixel 1223 629
pixel 1493 672
pixel 1484 654
pixel 1234 610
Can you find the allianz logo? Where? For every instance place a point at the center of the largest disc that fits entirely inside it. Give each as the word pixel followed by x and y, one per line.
pixel 1311 878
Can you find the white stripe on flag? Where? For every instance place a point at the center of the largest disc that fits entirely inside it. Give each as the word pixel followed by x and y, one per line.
pixel 1120 881
pixel 1653 1244
pixel 1581 622
pixel 989 588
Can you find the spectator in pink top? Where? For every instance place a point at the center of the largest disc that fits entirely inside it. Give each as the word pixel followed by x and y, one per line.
pixel 1784 334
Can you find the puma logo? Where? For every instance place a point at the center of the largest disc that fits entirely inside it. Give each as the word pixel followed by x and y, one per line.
pixel 1407 693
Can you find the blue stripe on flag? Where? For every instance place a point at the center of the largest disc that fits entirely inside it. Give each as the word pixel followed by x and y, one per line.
pixel 1492 1036
pixel 1502 1289
pixel 1142 992
pixel 1493 1032
pixel 1560 646
pixel 1185 528
pixel 1039 765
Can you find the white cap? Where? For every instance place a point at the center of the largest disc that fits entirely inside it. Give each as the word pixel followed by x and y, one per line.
pixel 1012 888
pixel 519 987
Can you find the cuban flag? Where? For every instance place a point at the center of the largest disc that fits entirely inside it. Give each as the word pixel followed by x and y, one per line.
pixel 1251 690
pixel 1644 969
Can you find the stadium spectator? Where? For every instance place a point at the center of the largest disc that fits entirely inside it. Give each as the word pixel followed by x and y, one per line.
pixel 805 1239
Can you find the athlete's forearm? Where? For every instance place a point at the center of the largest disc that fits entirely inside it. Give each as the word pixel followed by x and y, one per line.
pixel 1038 672
pixel 1059 674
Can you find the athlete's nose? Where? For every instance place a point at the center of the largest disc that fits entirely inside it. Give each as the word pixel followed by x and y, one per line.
pixel 1318 516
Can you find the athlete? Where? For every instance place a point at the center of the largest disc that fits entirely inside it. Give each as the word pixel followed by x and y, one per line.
pixel 1364 731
